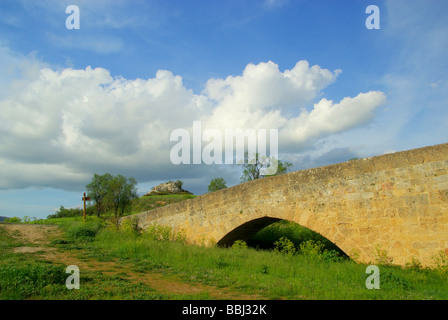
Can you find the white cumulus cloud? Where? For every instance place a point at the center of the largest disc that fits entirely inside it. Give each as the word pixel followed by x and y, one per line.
pixel 61 126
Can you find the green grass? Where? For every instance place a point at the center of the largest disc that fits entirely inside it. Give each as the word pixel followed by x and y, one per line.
pixel 24 281
pixel 21 276
pixel 47 282
pixel 25 276
pixel 266 273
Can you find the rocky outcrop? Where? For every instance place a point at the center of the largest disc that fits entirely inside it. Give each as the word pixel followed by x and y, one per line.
pixel 170 187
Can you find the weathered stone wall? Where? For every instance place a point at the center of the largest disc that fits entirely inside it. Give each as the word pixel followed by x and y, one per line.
pixel 396 201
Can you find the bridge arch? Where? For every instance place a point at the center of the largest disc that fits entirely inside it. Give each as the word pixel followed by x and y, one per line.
pixel 396 201
pixel 246 231
pixel 250 233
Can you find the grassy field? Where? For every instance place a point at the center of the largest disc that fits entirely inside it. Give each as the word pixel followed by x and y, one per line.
pixel 264 273
pixel 272 275
pixel 33 275
pixel 302 265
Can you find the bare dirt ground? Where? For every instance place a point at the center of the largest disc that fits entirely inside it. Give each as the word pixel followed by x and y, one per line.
pixel 36 239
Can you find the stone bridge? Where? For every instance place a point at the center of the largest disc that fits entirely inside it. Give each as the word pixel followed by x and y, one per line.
pixel 396 201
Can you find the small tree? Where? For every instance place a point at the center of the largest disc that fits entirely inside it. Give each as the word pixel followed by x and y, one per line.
pixel 121 192
pixel 97 190
pixel 252 166
pixel 217 184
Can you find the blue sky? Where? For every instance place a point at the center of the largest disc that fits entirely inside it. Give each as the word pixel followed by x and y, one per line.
pixel 104 98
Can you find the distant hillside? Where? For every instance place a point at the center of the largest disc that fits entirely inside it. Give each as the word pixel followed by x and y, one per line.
pixel 3 218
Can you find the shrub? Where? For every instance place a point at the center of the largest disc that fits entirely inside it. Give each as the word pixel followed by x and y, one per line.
pixel 285 246
pixel 84 232
pixel 158 232
pixel 13 220
pixel 179 183
pixel 381 256
pixel 239 244
pixel 332 255
pixel 441 262
pixel 414 264
pixel 130 225
pixel 71 212
pixel 392 280
pixel 312 249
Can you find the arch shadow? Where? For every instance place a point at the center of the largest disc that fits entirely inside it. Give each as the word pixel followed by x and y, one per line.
pixel 248 230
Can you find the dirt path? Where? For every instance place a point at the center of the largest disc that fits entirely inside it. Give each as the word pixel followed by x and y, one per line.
pixel 36 239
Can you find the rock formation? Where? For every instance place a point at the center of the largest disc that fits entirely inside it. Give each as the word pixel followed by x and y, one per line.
pixel 170 187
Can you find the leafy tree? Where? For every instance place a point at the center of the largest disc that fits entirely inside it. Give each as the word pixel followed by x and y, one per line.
pixel 252 168
pixel 120 193
pixel 97 190
pixel 13 220
pixel 217 184
pixel 283 167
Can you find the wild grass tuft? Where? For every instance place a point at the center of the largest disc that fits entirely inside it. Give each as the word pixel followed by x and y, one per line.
pixel 21 282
